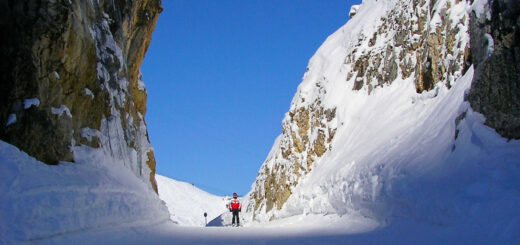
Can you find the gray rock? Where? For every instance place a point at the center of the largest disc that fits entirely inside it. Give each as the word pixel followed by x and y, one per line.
pixel 495 90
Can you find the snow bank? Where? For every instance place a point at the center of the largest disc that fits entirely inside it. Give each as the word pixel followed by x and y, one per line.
pixel 40 201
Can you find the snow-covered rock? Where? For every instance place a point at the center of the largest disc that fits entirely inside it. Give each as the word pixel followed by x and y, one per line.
pixel 494 46
pixel 31 102
pixel 379 128
pixel 353 10
pixel 390 47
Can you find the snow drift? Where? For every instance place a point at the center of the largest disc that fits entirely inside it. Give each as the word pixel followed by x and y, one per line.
pixel 38 201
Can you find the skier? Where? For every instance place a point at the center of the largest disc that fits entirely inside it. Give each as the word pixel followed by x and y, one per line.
pixel 235 206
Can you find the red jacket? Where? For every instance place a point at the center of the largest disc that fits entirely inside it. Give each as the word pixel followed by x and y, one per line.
pixel 235 204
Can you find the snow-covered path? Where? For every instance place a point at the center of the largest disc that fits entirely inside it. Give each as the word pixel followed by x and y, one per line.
pixel 354 233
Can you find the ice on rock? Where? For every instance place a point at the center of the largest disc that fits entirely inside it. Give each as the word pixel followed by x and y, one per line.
pixel 11 119
pixel 60 110
pixel 89 93
pixel 31 102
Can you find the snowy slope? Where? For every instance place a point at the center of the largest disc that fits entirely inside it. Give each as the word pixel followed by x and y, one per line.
pixel 385 53
pixel 387 152
pixel 39 201
pixel 187 203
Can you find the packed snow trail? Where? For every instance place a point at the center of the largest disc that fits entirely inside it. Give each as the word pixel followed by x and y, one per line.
pixel 355 231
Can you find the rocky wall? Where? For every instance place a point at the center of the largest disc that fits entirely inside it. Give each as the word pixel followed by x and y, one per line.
pixel 70 77
pixel 495 48
pixel 421 41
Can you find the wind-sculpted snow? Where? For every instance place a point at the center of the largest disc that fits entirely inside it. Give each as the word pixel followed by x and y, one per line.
pixel 39 201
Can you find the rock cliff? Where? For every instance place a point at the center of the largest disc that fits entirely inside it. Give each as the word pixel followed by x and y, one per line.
pixel 70 78
pixel 495 45
pixel 427 44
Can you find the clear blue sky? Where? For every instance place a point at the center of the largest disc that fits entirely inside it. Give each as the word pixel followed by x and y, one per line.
pixel 220 76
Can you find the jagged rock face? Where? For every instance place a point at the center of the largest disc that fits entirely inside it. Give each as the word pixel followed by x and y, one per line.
pixel 307 134
pixel 70 77
pixel 423 43
pixel 420 41
pixel 495 48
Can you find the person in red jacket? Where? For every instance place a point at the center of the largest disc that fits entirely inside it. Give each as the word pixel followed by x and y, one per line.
pixel 235 206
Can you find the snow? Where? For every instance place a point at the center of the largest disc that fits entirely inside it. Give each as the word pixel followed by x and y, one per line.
pixel 479 7
pixel 94 201
pixel 398 158
pixel 11 119
pixel 39 201
pixel 353 10
pixel 31 102
pixel 128 146
pixel 88 133
pixel 401 170
pixel 140 83
pixel 141 86
pixel 107 51
pixel 491 44
pixel 102 72
pixel 60 110
pixel 89 93
pixel 397 161
pixel 355 231
pixel 187 204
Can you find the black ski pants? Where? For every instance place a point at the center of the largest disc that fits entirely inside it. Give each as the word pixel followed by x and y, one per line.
pixel 235 215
